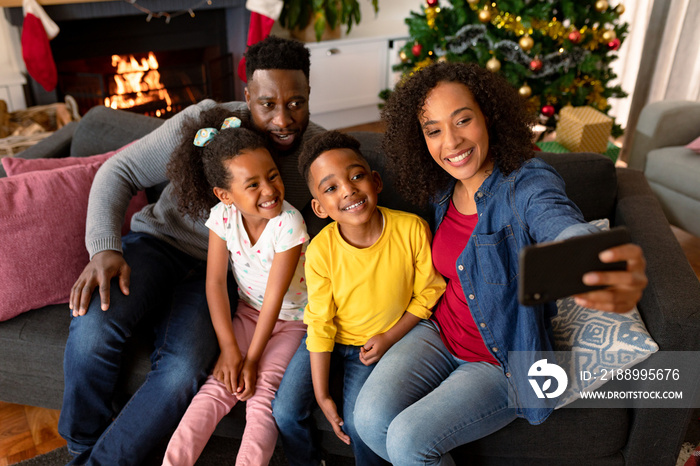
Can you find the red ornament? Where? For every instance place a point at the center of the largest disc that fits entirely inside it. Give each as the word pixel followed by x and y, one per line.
pixel 536 64
pixel 614 44
pixel 432 2
pixel 416 49
pixel 547 110
pixel 575 37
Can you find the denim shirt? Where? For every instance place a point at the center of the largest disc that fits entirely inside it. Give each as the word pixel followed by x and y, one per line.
pixel 526 207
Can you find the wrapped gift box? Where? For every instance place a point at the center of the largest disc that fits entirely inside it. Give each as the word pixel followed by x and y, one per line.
pixel 583 129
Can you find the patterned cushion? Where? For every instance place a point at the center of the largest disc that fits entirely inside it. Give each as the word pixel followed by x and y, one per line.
pixel 591 340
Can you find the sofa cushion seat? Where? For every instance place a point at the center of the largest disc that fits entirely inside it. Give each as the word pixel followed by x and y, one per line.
pixel 560 437
pixel 677 168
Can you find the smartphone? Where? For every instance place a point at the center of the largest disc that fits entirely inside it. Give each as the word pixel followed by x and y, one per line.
pixel 549 271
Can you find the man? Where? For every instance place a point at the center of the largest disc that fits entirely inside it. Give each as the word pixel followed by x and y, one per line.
pixel 155 275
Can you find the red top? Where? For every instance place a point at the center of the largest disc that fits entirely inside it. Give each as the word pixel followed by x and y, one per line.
pixel 457 328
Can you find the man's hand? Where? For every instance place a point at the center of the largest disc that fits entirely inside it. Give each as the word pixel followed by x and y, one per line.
pixel 374 349
pixel 247 379
pixel 331 412
pixel 228 368
pixel 625 287
pixel 102 268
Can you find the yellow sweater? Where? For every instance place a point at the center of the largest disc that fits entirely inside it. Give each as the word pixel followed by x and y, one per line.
pixel 355 294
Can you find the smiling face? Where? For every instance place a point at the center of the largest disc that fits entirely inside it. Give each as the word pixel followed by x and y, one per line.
pixel 344 187
pixel 279 105
pixel 256 187
pixel 456 133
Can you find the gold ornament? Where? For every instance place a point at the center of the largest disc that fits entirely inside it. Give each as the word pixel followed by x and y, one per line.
pixel 484 16
pixel 442 59
pixel 493 65
pixel 403 56
pixel 601 6
pixel 525 91
pixel 620 9
pixel 473 2
pixel 526 43
pixel 609 35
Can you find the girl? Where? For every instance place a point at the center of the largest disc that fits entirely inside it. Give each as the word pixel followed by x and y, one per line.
pixel 458 137
pixel 218 160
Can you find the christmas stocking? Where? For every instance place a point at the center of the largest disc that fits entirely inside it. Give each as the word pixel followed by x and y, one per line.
pixel 37 30
pixel 263 14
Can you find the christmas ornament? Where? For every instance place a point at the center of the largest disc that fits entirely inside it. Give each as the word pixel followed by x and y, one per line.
pixel 609 35
pixel 620 9
pixel 473 2
pixel 575 36
pixel 442 59
pixel 493 65
pixel 536 64
pixel 416 49
pixel 484 16
pixel 403 56
pixel 432 2
pixel 526 42
pixel 614 44
pixel 601 6
pixel 547 110
pixel 525 91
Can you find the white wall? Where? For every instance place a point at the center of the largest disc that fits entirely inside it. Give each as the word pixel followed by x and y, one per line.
pixel 11 66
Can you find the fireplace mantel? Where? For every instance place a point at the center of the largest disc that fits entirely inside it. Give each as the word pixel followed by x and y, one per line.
pixel 12 3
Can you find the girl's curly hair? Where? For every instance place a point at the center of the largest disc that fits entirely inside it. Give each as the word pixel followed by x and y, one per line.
pixel 195 171
pixel 418 177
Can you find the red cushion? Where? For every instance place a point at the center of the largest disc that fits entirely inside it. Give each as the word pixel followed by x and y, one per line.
pixel 42 232
pixel 17 166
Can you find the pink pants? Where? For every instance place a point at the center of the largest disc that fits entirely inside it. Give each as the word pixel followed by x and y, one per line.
pixel 213 401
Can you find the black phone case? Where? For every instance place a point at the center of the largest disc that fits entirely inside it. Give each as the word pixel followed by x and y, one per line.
pixel 550 271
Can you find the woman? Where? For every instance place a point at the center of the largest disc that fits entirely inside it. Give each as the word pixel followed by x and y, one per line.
pixel 459 137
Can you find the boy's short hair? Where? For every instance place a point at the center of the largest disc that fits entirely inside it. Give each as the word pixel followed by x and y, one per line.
pixel 275 53
pixel 324 142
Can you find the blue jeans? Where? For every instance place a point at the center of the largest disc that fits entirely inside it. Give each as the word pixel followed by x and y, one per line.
pixel 167 293
pixel 421 402
pixel 295 401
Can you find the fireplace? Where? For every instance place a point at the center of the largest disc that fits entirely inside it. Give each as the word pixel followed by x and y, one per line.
pixel 174 63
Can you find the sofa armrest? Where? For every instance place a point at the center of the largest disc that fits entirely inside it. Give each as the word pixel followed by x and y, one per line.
pixel 670 308
pixel 670 305
pixel 664 124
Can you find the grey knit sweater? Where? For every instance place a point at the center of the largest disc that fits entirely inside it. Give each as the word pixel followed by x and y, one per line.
pixel 143 165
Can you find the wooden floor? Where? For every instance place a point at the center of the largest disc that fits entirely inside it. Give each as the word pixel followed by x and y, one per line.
pixel 26 431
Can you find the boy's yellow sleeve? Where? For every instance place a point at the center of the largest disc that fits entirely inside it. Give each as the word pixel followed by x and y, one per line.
pixel 320 312
pixel 428 284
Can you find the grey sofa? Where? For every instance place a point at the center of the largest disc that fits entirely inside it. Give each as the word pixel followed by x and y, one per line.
pixel 673 171
pixel 32 343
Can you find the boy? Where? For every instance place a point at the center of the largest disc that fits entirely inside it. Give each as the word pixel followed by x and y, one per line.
pixel 370 279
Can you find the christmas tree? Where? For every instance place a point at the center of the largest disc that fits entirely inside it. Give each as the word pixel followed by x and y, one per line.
pixel 555 52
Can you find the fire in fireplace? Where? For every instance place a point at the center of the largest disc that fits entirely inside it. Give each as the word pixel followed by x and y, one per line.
pixel 137 83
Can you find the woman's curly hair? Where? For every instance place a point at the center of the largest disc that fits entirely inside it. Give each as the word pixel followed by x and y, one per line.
pixel 509 123
pixel 194 171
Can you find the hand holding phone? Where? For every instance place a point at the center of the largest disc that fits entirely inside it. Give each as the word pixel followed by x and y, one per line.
pixel 549 271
